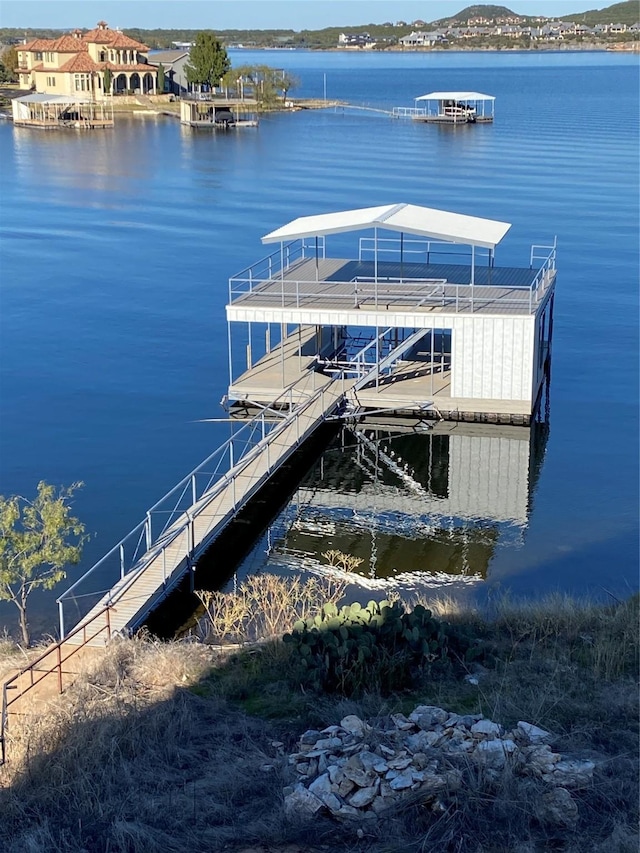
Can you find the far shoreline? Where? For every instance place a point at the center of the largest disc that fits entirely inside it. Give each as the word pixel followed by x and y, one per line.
pixel 634 48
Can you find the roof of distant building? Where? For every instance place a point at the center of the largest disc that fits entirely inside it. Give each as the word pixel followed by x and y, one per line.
pixel 76 42
pixel 166 56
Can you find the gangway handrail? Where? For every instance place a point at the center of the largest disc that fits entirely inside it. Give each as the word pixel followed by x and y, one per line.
pixel 56 649
pixel 219 451
pixel 174 530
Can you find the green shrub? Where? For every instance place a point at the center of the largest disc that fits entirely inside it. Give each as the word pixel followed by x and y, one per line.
pixel 378 647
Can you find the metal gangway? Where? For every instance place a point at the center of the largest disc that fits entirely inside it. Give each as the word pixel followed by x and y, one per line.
pixel 153 558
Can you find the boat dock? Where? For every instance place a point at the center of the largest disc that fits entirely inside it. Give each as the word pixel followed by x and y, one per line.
pixel 450 108
pixel 421 321
pixel 218 112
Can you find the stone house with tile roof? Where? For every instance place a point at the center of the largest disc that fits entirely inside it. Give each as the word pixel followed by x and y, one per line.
pixel 75 64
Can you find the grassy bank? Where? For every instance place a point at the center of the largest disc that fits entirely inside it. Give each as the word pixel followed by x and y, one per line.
pixel 180 746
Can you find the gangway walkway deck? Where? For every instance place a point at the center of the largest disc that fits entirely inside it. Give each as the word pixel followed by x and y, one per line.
pixel 175 551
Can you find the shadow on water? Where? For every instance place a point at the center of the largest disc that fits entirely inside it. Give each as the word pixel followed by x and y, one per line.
pixel 418 505
pixel 218 564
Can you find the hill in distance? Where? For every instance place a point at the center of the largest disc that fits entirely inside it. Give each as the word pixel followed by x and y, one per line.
pixel 627 12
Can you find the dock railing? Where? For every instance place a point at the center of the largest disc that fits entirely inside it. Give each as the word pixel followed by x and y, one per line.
pixel 387 292
pixel 408 112
pixel 546 257
pixel 275 280
pixel 272 265
pixel 424 249
pixel 170 520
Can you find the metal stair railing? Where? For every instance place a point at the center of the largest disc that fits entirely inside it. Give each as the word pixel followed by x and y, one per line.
pixel 60 659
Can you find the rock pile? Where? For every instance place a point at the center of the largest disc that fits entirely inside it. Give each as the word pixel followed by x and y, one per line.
pixel 357 771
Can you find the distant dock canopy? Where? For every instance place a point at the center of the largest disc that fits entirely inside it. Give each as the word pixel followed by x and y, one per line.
pixel 214 111
pixel 450 108
pixel 419 317
pixel 58 111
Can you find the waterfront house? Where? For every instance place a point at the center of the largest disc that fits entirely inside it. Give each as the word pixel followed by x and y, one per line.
pixel 75 64
pixel 174 63
pixel 422 39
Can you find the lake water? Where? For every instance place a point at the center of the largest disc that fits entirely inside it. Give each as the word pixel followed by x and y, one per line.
pixel 117 247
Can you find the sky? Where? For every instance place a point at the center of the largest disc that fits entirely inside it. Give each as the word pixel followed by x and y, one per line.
pixel 254 14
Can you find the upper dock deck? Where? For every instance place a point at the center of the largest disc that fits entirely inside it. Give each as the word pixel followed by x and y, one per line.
pixel 434 262
pixel 299 288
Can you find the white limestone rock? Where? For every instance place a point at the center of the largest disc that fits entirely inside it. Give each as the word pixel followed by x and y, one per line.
pixel 571 773
pixel 332 802
pixel 321 785
pixel 486 728
pixel 402 781
pixel 532 734
pixel 347 812
pixel 368 759
pixel 364 796
pixel 495 752
pixel 301 802
pixel 309 737
pixel 427 716
pixel 399 763
pixel 328 743
pixel 354 771
pixel 354 725
pixel 540 759
pixel 402 723
pixel 422 741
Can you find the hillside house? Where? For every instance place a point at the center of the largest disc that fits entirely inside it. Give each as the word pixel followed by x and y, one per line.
pixel 76 63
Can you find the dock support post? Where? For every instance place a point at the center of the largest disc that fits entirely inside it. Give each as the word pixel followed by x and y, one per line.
pixel 375 263
pixel 122 571
pixel 61 618
pixel 147 531
pixel 59 665
pixel 193 489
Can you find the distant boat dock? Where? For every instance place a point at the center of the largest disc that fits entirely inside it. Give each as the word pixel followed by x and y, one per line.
pixel 213 111
pixel 450 108
pixel 419 320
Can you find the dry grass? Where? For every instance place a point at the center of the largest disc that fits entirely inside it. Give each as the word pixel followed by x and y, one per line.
pixel 264 607
pixel 150 752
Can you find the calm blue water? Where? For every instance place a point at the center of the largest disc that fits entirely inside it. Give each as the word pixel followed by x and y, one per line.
pixel 117 247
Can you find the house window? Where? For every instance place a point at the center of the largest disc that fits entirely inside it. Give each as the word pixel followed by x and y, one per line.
pixel 82 83
pixel 103 56
pixel 38 56
pixel 48 57
pixel 51 81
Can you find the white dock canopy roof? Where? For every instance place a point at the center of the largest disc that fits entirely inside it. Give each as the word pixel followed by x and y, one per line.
pixel 407 218
pixel 456 96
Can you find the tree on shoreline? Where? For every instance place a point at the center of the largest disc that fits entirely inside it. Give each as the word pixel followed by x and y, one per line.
pixel 38 539
pixel 208 60
pixel 107 80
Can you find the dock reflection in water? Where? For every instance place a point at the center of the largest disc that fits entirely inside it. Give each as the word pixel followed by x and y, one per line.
pixel 417 506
